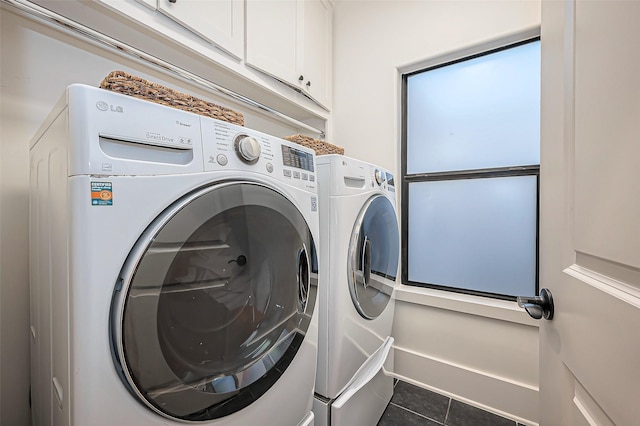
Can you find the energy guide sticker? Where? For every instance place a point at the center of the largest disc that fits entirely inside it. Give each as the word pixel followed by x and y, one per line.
pixel 101 194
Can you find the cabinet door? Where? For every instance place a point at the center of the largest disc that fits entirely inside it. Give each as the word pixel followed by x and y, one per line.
pixel 273 35
pixel 221 22
pixel 151 4
pixel 317 50
pixel 291 41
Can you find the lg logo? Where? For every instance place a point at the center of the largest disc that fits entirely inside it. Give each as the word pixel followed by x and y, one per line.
pixel 103 106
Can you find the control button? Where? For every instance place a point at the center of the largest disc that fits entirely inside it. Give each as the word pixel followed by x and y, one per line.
pixel 248 148
pixel 222 159
pixel 296 175
pixel 269 167
pixel 312 178
pixel 287 173
pixel 305 176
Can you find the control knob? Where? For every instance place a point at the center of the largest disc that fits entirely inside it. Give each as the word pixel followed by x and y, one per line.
pixel 248 148
pixel 378 176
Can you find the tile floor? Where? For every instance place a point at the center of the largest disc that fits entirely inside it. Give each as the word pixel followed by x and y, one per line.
pixel 412 405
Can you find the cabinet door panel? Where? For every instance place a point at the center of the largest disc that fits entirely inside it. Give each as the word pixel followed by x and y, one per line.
pixel 317 50
pixel 273 34
pixel 151 4
pixel 221 22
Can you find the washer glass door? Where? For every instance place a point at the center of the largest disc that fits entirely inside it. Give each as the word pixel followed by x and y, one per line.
pixel 214 301
pixel 373 257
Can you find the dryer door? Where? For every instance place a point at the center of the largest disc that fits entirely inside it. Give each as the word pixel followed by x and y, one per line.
pixel 214 301
pixel 373 257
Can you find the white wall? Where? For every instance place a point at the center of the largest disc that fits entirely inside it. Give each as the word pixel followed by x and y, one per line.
pixel 37 63
pixel 477 350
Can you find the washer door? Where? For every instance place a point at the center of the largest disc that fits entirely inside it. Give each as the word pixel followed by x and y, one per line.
pixel 373 257
pixel 214 301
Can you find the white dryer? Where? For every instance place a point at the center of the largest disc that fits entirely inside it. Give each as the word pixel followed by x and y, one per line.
pixel 359 250
pixel 172 276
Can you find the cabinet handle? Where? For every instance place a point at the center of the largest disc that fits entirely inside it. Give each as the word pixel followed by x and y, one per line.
pixel 301 78
pixel 308 83
pixel 172 1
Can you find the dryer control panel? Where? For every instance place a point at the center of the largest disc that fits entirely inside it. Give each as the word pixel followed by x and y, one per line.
pixel 380 178
pixel 349 176
pixel 231 147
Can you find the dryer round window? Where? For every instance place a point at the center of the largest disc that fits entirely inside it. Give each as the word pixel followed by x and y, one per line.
pixel 373 257
pixel 212 310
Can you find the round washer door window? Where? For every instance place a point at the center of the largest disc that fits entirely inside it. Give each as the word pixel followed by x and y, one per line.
pixel 373 257
pixel 214 301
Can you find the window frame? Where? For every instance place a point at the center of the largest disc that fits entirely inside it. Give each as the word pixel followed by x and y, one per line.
pixel 407 179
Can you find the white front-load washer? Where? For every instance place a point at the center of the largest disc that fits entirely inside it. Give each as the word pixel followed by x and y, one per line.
pixel 359 250
pixel 172 269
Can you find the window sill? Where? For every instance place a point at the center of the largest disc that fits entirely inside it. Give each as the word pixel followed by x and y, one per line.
pixel 473 305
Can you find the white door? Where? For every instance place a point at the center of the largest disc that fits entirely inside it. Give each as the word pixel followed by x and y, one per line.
pixel 590 213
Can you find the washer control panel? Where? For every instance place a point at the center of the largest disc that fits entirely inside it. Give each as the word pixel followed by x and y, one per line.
pixel 230 147
pixel 297 158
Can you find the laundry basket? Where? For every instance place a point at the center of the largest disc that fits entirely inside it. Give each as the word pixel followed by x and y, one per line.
pixel 320 147
pixel 127 84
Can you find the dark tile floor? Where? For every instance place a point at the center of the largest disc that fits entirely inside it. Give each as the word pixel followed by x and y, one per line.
pixel 412 405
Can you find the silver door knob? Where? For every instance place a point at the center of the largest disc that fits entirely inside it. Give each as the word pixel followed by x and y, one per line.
pixel 538 306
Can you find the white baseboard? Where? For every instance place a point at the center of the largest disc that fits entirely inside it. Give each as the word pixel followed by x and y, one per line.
pixel 499 395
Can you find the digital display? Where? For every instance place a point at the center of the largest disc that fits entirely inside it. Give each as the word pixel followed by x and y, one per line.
pixel 295 158
pixel 390 179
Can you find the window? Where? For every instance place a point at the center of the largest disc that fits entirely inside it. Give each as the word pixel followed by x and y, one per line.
pixel 470 166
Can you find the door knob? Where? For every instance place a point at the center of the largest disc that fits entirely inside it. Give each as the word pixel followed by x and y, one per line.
pixel 538 306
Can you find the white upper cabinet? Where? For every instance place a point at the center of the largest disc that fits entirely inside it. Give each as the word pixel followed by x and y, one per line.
pixel 261 49
pixel 317 50
pixel 198 25
pixel 273 31
pixel 291 41
pixel 220 22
